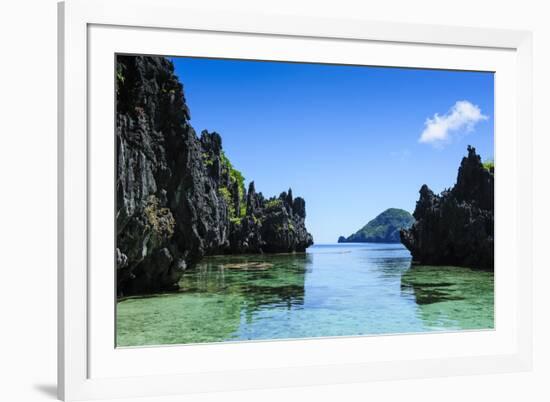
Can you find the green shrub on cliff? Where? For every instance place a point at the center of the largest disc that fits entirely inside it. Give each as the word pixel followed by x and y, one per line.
pixel 489 165
pixel 226 194
pixel 234 174
pixel 235 177
pixel 120 74
pixel 159 219
pixel 274 203
pixel 207 159
pixel 235 220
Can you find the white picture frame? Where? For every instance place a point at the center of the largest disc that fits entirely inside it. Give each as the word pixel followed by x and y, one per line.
pixel 91 32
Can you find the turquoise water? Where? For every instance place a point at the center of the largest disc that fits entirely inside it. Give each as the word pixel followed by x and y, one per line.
pixel 331 290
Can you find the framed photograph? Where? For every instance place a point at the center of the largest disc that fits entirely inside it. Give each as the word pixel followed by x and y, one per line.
pixel 255 201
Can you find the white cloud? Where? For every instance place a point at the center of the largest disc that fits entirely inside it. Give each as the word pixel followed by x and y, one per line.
pixel 462 117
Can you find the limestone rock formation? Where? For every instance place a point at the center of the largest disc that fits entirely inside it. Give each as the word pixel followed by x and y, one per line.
pixel 178 195
pixel 457 226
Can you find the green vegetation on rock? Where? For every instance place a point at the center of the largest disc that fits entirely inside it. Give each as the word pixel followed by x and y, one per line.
pixel 120 74
pixel 382 229
pixel 224 192
pixel 273 203
pixel 237 209
pixel 207 159
pixel 489 165
pixel 160 220
pixel 235 176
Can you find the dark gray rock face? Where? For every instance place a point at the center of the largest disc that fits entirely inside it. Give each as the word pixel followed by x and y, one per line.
pixel 275 225
pixel 178 196
pixel 456 227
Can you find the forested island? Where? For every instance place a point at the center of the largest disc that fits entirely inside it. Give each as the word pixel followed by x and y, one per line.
pixel 179 198
pixel 384 228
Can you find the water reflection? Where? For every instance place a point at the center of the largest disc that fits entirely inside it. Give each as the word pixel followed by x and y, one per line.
pixel 332 290
pixel 451 297
pixel 428 293
pixel 263 280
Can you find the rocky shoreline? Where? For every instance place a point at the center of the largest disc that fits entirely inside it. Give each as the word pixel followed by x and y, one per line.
pixel 179 198
pixel 457 226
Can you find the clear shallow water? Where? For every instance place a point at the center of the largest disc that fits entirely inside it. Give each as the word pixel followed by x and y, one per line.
pixel 331 290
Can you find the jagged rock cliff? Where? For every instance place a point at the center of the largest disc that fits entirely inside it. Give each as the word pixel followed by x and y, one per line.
pixel 382 229
pixel 178 196
pixel 456 227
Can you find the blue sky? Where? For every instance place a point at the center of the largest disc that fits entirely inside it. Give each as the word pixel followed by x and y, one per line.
pixel 352 141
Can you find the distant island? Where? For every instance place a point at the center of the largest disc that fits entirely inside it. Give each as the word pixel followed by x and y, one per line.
pixel 384 228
